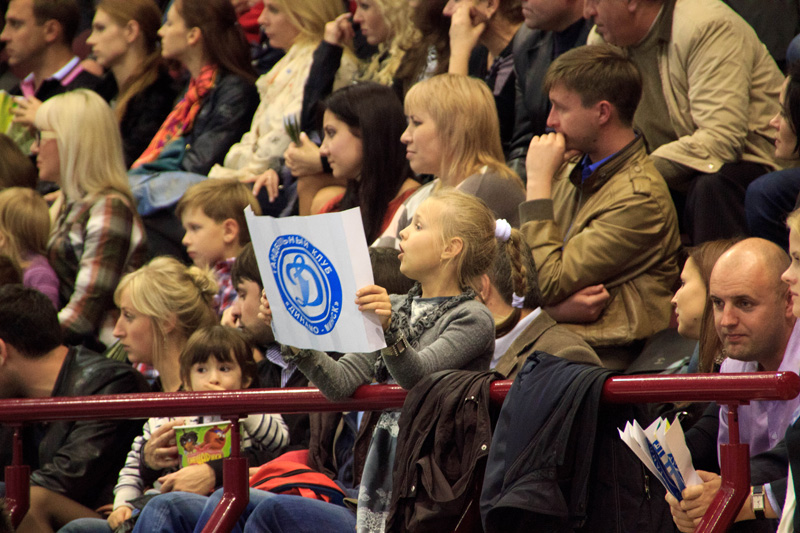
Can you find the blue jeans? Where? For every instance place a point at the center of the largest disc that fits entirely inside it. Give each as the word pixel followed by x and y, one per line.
pixel 172 512
pixel 256 497
pixel 295 514
pixel 767 202
pixel 87 525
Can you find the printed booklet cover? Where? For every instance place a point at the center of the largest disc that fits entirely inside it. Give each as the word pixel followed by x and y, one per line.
pixel 201 443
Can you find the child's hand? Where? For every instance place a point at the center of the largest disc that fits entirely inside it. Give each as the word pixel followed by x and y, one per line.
pixel 199 479
pixel 375 298
pixel 161 451
pixel 264 312
pixel 118 516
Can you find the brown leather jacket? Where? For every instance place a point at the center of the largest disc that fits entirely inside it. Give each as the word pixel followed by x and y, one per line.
pixel 618 228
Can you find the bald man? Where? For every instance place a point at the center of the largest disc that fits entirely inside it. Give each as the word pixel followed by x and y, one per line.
pixel 753 318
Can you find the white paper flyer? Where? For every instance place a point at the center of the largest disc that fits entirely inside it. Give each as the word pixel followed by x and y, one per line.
pixel 662 448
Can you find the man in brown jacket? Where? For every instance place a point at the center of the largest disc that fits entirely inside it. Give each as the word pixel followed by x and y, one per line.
pixel 602 226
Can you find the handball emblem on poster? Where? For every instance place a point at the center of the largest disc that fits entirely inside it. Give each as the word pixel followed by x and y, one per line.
pixel 312 267
pixel 308 283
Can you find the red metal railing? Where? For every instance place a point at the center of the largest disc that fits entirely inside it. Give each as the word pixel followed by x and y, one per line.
pixel 729 389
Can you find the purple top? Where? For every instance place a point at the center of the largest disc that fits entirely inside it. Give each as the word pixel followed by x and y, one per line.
pixel 763 424
pixel 40 276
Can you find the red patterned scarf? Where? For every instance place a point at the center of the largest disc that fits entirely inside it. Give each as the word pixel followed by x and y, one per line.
pixel 181 119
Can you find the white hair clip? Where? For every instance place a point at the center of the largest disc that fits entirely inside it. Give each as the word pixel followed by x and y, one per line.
pixel 502 229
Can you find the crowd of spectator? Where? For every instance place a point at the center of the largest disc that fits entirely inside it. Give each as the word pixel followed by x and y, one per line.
pixel 563 177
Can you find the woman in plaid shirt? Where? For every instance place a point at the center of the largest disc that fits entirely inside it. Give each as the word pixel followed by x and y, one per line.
pixel 97 235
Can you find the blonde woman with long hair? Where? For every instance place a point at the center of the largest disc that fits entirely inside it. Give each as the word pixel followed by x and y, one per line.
pixel 454 134
pixel 161 305
pixel 97 235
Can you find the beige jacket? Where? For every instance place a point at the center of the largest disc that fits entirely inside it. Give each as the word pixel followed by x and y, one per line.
pixel 543 334
pixel 721 87
pixel 618 228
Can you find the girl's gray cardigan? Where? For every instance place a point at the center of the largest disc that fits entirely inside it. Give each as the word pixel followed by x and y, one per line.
pixel 462 339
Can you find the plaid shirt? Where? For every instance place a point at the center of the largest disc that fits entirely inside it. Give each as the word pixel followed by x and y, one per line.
pixel 94 242
pixel 227 292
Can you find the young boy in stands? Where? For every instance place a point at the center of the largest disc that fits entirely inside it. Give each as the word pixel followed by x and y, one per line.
pixel 212 214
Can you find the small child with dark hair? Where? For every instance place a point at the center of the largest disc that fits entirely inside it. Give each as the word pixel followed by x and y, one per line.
pixel 218 358
pixel 212 214
pixel 214 359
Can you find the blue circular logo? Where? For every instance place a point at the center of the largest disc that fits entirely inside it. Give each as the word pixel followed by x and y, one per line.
pixel 308 283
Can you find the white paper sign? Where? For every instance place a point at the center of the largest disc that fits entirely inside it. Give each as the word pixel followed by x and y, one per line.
pixel 312 267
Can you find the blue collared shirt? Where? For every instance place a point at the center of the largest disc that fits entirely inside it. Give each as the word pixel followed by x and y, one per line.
pixel 588 168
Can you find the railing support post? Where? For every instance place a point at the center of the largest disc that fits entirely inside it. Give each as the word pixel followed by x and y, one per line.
pixel 235 488
pixel 735 468
pixel 18 482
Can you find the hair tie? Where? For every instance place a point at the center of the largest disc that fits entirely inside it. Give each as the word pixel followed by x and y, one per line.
pixel 517 301
pixel 502 229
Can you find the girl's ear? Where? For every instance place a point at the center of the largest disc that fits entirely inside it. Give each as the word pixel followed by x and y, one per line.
pixel 453 248
pixel 486 288
pixel 132 31
pixel 246 381
pixel 194 36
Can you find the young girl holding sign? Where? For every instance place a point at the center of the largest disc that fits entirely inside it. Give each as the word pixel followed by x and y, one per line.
pixel 438 325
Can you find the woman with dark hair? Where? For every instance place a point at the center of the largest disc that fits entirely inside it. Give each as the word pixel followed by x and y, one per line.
pixel 362 125
pixel 432 55
pixel 216 109
pixel 772 196
pixel 124 39
pixel 493 26
pixel 693 310
pixel 384 24
pixel 204 37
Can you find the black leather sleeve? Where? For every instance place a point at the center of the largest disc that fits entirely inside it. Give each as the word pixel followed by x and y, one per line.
pixel 82 459
pixel 225 116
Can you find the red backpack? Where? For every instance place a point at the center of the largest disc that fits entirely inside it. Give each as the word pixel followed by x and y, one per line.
pixel 288 477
